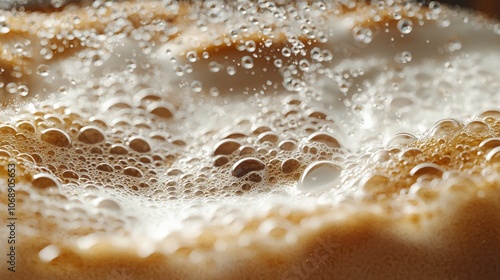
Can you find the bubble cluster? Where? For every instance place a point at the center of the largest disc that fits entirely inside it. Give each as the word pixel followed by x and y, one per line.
pixel 204 131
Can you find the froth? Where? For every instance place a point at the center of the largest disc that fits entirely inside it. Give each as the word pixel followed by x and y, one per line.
pixel 215 138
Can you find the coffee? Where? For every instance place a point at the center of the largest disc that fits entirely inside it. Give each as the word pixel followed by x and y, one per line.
pixel 252 140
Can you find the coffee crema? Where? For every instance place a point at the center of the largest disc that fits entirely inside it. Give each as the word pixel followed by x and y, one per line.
pixel 251 140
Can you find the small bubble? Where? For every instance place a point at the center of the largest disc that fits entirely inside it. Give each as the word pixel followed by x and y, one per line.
pixel 231 70
pixel 11 88
pixel 214 66
pixel 454 45
pixel 247 62
pixel 4 26
pixel 435 7
pixel 23 90
pixel 43 70
pixel 46 53
pixel 286 52
pixel 278 63
pixel 362 34
pixel 304 65
pixel 403 57
pixel 250 46
pixel 192 56
pixel 214 91
pixel 405 26
pixel 196 86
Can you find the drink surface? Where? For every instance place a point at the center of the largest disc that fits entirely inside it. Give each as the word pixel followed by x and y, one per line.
pixel 252 140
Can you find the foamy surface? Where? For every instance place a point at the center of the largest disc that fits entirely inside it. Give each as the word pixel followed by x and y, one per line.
pixel 157 140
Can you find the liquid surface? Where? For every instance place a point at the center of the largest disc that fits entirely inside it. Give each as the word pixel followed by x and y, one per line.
pixel 225 137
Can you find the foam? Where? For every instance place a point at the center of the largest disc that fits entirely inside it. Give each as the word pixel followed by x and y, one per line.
pixel 251 140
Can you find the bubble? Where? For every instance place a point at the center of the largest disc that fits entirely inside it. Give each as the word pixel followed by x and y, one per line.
pixel 43 70
pixel 427 169
pixel 162 109
pixel 226 147
pixel 250 46
pixel 4 26
pixel 214 91
pixel 478 127
pixel 493 156
pixel 410 153
pixel 5 154
pixel 405 26
pixel 46 53
pixel 49 253
pixel 403 57
pixel 70 175
pixel 435 7
pixel 278 63
pixel 91 135
pixel 192 56
pixel 8 129
pixel 220 161
pixel 196 86
pixel 362 34
pixel 118 150
pixel 375 184
pixel 133 172
pixel 287 145
pixel 320 175
pixel 56 137
pixel 381 156
pixel 231 70
pixel 325 138
pixel 401 139
pixel 246 165
pixel 247 62
pixel 254 177
pixel 26 125
pixel 107 204
pixel 494 114
pixel 139 144
pixel 489 144
pixel 290 165
pixel 214 67
pixel 105 167
pixel 286 52
pixel 45 181
pixel 304 65
pixel 22 90
pixel 421 191
pixel 454 45
pixel 268 136
pixel 446 127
